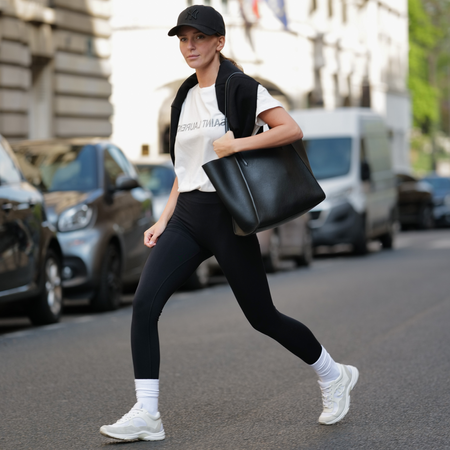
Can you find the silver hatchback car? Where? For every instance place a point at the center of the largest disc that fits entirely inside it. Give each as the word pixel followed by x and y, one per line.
pixel 96 203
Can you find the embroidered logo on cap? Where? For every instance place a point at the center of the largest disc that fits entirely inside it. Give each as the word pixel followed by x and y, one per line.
pixel 192 15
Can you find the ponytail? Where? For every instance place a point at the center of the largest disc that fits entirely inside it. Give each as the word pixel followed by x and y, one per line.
pixel 224 58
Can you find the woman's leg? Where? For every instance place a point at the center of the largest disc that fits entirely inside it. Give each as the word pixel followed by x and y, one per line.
pixel 170 263
pixel 241 262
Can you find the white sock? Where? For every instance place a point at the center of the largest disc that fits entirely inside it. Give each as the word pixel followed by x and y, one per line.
pixel 147 393
pixel 325 367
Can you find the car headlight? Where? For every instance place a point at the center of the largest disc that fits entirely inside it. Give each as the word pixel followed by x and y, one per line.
pixel 75 218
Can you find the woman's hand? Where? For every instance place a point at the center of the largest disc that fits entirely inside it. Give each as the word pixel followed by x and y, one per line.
pixel 224 145
pixel 152 234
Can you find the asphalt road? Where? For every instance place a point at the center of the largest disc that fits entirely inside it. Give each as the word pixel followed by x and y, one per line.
pixel 225 386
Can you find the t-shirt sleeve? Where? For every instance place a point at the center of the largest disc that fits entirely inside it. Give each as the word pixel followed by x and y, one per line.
pixel 264 102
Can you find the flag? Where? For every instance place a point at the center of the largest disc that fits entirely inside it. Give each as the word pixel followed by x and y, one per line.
pixel 279 9
pixel 255 8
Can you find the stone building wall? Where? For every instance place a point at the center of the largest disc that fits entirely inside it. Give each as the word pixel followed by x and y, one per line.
pixel 55 68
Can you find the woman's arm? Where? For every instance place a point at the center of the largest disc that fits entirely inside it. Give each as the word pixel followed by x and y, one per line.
pixel 152 234
pixel 283 130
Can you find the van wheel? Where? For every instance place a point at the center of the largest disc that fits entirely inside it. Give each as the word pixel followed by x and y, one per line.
pixel 109 290
pixel 200 278
pixel 387 239
pixel 46 308
pixel 360 242
pixel 272 259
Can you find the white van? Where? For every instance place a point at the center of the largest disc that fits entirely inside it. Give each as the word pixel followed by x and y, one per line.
pixel 350 155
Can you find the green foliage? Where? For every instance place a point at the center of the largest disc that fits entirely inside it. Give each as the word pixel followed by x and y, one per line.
pixel 423 37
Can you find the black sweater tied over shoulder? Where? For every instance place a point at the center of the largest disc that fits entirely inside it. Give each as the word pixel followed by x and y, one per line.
pixel 241 108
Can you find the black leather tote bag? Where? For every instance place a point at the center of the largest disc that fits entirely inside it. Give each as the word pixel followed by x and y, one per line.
pixel 265 188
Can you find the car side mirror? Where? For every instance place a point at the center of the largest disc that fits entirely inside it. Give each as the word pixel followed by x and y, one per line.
pixel 365 171
pixel 126 183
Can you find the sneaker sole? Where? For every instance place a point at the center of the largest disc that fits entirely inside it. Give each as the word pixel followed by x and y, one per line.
pixel 355 375
pixel 142 436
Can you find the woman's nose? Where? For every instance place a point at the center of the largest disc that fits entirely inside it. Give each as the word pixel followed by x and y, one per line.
pixel 191 44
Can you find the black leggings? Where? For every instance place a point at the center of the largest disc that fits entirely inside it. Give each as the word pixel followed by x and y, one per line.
pixel 201 227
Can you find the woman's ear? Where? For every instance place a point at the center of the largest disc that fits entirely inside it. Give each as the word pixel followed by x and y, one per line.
pixel 221 43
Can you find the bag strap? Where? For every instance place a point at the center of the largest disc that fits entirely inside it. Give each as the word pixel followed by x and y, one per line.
pixel 227 125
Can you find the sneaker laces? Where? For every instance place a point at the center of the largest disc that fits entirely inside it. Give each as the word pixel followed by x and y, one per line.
pixel 327 396
pixel 129 415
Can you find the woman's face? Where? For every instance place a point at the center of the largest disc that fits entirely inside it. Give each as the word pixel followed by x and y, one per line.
pixel 199 49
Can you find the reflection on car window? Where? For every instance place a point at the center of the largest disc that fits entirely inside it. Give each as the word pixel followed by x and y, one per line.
pixel 330 157
pixel 158 179
pixel 122 161
pixel 59 167
pixel 8 171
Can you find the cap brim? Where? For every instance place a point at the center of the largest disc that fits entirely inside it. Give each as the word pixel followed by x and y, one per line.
pixel 208 31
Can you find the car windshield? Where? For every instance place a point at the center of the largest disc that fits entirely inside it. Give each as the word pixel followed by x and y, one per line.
pixel 330 157
pixel 59 167
pixel 439 184
pixel 158 179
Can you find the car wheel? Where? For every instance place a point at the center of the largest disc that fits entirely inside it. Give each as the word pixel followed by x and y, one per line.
pixel 426 219
pixel 306 256
pixel 200 278
pixel 387 239
pixel 272 259
pixel 109 290
pixel 46 308
pixel 360 242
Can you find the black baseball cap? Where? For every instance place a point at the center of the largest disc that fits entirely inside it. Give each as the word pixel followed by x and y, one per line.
pixel 204 18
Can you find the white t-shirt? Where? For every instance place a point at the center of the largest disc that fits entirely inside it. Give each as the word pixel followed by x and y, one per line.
pixel 200 124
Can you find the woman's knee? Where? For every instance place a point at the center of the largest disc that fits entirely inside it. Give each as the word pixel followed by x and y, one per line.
pixel 265 324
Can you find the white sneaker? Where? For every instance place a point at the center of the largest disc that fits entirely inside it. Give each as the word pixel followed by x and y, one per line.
pixel 136 424
pixel 336 395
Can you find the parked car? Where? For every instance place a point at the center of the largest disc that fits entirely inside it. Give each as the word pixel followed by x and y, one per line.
pixel 350 155
pixel 30 255
pixel 414 202
pixel 441 198
pixel 94 200
pixel 290 240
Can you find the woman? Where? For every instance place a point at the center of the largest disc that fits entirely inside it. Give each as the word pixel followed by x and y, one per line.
pixel 195 225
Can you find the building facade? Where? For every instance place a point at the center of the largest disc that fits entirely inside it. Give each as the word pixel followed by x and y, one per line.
pixel 315 53
pixel 55 68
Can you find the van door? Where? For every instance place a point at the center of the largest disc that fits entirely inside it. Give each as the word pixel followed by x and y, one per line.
pixel 381 194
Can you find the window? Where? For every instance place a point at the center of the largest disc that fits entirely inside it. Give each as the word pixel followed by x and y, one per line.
pixel 344 11
pixel 225 6
pixel 60 167
pixel 313 6
pixel 116 164
pixel 330 8
pixel 8 171
pixel 329 157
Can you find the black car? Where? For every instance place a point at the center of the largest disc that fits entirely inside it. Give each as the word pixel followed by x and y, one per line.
pixel 30 255
pixel 441 198
pixel 94 200
pixel 414 202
